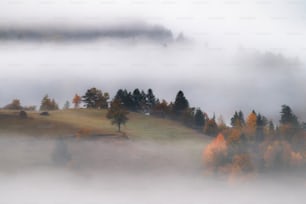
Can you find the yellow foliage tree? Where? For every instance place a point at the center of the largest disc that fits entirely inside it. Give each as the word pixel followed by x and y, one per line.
pixel 251 124
pixel 234 136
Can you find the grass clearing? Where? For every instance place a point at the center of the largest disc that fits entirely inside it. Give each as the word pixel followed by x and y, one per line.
pixel 94 122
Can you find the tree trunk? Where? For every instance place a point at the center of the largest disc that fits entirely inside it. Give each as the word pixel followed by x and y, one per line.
pixel 119 124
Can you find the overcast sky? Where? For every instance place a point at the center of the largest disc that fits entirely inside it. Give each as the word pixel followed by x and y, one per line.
pixel 234 54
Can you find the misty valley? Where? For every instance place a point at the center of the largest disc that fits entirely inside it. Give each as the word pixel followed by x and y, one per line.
pixel 152 102
pixel 137 148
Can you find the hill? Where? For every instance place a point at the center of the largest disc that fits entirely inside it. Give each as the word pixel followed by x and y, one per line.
pixel 87 123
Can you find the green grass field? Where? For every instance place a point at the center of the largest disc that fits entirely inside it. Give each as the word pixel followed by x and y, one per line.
pixel 86 122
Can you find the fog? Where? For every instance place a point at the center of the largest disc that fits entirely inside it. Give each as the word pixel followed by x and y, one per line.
pixel 224 55
pixel 114 170
pixel 75 34
pixel 214 80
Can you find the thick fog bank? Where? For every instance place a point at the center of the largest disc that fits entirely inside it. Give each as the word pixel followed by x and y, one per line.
pixel 217 81
pixel 115 171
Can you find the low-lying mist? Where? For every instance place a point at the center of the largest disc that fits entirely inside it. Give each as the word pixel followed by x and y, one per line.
pixel 114 170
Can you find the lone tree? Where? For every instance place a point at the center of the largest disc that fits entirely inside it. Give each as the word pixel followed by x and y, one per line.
pixel 117 114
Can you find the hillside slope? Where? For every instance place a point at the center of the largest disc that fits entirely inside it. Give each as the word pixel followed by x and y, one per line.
pixel 84 122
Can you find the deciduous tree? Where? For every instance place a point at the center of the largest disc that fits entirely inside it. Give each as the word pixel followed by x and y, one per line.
pixel 14 105
pixel 251 124
pixel 48 104
pixel 215 154
pixel 76 101
pixel 94 98
pixel 117 114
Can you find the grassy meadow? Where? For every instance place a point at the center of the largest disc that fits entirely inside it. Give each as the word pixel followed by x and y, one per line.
pixel 148 143
pixel 90 122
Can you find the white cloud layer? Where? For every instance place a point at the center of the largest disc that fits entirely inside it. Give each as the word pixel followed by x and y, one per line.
pixel 243 54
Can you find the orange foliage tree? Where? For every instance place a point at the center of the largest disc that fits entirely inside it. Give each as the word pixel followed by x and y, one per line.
pixel 215 154
pixel 76 101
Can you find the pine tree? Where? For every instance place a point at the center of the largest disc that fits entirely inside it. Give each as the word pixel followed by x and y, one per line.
pixel 287 116
pixel 199 118
pixel 151 100
pixel 180 104
pixel 237 120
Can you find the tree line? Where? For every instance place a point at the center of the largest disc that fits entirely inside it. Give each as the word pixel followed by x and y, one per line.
pixel 256 145
pixel 147 103
pixel 249 144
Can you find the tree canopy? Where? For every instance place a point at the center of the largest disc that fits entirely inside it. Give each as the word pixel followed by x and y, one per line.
pixel 48 104
pixel 117 114
pixel 95 98
pixel 76 100
pixel 287 116
pixel 180 103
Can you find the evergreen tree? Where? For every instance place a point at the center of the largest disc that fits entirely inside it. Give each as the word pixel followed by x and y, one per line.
pixel 287 116
pixel 151 100
pixel 188 117
pixel 199 118
pixel 261 123
pixel 211 127
pixel 48 104
pixel 289 125
pixel 180 104
pixel 138 100
pixel 237 120
pixel 66 105
pixel 126 99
